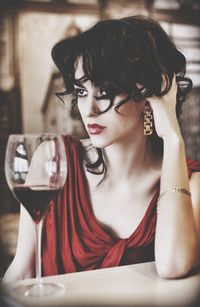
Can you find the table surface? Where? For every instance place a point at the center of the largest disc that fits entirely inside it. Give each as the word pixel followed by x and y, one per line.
pixel 131 285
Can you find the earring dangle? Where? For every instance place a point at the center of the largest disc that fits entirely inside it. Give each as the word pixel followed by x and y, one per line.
pixel 148 119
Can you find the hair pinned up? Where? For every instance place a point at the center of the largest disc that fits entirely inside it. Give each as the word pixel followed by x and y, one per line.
pixel 118 55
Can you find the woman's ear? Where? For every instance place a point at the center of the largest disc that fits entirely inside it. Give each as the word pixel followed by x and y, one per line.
pixel 165 82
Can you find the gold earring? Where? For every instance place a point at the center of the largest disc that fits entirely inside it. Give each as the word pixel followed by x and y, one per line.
pixel 148 119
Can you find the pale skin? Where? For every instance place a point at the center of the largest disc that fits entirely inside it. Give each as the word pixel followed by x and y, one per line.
pixel 126 148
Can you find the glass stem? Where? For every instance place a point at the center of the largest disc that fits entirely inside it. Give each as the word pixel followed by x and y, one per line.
pixel 38 251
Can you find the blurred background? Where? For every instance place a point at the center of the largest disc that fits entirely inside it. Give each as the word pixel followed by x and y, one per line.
pixel 29 79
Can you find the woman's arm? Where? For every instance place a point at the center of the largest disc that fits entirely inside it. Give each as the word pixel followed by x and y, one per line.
pixel 23 263
pixel 177 242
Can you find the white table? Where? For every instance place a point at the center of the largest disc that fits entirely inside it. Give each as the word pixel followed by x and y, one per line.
pixel 132 285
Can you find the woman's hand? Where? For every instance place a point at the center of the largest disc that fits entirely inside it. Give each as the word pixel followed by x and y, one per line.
pixel 164 113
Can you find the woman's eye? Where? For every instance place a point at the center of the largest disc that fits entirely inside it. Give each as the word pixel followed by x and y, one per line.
pixel 81 92
pixel 102 94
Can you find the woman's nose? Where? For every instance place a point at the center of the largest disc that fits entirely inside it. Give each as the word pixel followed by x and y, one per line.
pixel 91 109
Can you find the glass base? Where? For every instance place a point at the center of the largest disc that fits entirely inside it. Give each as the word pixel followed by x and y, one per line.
pixel 40 289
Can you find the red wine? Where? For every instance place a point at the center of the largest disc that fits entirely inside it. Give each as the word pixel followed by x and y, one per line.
pixel 35 199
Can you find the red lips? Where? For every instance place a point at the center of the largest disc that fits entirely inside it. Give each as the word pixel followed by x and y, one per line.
pixel 95 129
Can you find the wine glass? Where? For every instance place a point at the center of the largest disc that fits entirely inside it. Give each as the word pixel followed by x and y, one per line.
pixel 35 168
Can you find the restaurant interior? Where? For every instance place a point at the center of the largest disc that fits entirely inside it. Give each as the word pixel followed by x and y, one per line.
pixel 29 78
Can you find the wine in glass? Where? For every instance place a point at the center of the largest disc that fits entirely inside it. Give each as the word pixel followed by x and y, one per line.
pixel 35 168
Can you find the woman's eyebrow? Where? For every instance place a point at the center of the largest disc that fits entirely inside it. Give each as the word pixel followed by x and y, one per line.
pixel 80 81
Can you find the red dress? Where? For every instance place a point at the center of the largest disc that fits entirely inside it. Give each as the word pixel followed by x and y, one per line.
pixel 72 238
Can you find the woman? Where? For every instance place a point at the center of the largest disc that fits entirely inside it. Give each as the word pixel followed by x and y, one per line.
pixel 128 80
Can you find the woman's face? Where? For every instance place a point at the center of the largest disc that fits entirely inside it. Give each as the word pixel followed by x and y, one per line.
pixel 109 127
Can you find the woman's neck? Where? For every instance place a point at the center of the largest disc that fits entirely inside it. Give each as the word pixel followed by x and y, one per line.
pixel 127 158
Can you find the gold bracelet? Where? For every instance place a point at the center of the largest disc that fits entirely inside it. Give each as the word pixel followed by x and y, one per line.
pixel 175 189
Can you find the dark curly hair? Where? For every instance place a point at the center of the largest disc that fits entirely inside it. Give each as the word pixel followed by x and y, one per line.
pixel 119 53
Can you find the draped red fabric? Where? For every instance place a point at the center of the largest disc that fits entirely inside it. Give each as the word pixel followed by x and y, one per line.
pixel 72 238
